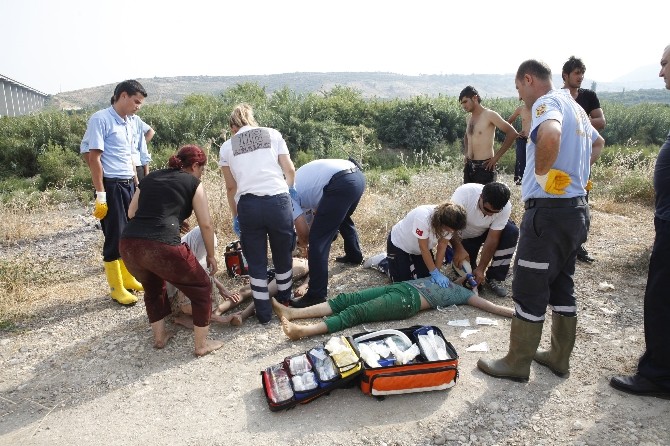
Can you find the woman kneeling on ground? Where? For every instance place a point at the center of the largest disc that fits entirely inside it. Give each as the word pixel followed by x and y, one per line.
pixel 152 250
pixel 400 300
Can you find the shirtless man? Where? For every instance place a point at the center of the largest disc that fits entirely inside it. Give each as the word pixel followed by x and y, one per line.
pixel 520 165
pixel 481 124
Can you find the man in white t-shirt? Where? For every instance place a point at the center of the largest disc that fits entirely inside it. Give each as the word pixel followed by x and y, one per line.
pixel 488 210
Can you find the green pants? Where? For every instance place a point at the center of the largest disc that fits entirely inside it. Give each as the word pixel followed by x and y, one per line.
pixel 391 302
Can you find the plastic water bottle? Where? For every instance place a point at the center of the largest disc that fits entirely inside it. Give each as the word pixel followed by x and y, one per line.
pixel 470 278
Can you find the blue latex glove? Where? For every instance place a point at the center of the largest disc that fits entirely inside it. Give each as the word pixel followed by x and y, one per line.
pixel 236 226
pixel 293 193
pixel 439 278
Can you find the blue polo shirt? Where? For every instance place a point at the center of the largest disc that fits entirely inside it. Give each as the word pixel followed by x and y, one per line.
pixel 311 178
pixel 114 136
pixel 577 138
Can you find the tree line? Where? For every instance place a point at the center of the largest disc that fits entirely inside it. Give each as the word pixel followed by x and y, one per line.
pixel 333 123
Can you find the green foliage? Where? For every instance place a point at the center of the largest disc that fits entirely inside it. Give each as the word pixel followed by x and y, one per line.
pixel 62 168
pixel 625 175
pixel 302 157
pixel 408 124
pixel 41 151
pixel 645 124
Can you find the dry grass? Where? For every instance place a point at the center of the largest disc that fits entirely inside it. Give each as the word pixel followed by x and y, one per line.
pixel 52 253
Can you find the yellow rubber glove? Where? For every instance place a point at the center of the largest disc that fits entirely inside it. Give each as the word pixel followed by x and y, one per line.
pixel 554 182
pixel 100 210
pixel 589 186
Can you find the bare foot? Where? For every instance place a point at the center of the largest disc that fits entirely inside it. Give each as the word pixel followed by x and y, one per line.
pixel 184 320
pixel 293 331
pixel 209 347
pixel 236 319
pixel 301 290
pixel 224 320
pixel 161 340
pixel 281 310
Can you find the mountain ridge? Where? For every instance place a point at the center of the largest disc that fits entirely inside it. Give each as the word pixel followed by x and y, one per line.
pixel 380 85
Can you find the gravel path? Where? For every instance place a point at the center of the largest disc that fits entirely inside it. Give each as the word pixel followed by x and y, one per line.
pixel 82 371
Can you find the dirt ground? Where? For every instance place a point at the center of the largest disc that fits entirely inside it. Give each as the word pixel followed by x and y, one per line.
pixel 82 370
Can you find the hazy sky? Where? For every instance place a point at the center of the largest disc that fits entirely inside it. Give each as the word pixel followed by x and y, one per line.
pixel 63 45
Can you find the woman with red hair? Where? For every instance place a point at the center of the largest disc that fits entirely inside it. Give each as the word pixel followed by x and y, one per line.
pixel 151 244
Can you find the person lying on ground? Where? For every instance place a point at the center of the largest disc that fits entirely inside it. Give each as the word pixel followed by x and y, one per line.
pixel 182 308
pixel 300 270
pixel 397 301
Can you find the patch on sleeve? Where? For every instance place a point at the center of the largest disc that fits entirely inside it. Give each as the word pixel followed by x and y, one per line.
pixel 419 232
pixel 539 111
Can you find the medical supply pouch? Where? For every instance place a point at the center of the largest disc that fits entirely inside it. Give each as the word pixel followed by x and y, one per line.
pixel 407 360
pixel 236 264
pixel 303 377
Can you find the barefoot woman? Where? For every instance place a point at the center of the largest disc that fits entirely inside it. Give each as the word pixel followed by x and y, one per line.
pixel 152 249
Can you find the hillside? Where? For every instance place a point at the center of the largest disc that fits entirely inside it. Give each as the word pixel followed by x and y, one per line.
pixel 379 85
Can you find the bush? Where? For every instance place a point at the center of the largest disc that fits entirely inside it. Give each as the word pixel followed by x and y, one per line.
pixel 62 168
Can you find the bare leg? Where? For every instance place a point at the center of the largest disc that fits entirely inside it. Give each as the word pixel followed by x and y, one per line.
pixel 203 345
pixel 485 305
pixel 295 331
pixel 161 334
pixel 237 319
pixel 319 310
pixel 244 294
pixel 185 320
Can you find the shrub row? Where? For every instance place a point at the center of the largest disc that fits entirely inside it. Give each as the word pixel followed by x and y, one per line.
pixel 333 123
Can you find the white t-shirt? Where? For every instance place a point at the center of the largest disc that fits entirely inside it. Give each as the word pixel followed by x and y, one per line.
pixel 467 196
pixel 252 155
pixel 416 225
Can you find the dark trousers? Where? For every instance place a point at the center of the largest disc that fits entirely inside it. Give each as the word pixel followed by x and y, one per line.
pixel 119 194
pixel 153 263
pixel 262 218
pixel 545 259
pixel 403 265
pixel 655 362
pixel 520 164
pixel 475 172
pixel 339 201
pixel 502 257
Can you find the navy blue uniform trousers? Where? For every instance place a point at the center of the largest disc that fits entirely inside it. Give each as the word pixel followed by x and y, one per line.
pixel 340 199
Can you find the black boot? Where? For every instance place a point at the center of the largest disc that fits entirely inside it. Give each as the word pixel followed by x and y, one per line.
pixel 307 300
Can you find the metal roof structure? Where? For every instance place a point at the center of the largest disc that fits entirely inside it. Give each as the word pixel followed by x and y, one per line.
pixel 18 99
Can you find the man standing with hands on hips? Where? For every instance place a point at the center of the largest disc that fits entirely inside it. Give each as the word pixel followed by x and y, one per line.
pixel 562 145
pixel 107 148
pixel 653 369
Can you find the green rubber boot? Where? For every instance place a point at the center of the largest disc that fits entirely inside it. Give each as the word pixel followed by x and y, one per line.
pixel 524 338
pixel 563 333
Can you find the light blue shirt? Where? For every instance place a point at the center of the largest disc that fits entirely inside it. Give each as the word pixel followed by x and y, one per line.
pixel 141 155
pixel 311 178
pixel 577 138
pixel 114 136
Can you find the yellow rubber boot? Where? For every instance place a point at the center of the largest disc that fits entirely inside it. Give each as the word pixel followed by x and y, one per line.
pixel 129 282
pixel 117 291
